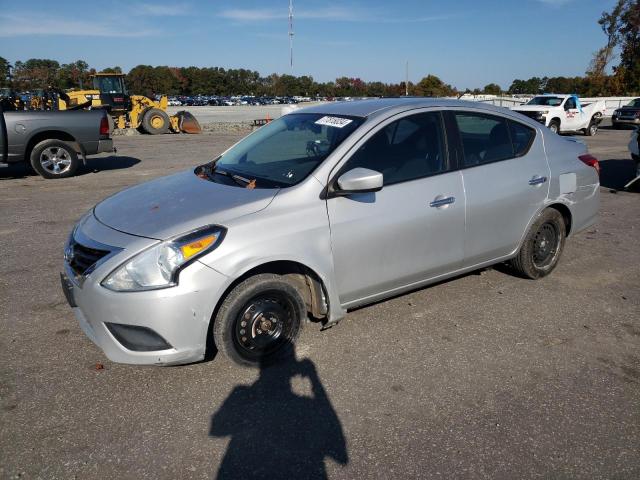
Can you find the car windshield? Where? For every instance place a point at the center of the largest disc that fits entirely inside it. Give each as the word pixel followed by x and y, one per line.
pixel 282 153
pixel 547 101
pixel 634 103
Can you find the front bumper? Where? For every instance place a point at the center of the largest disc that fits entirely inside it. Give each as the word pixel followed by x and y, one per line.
pixel 180 315
pixel 625 121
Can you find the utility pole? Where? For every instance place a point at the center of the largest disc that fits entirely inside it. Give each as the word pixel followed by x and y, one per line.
pixel 291 35
pixel 406 80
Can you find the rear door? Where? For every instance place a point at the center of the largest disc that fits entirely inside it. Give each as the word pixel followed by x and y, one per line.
pixel 410 230
pixel 506 180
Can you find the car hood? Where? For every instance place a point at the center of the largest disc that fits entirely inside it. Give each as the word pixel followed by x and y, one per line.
pixel 629 109
pixel 177 204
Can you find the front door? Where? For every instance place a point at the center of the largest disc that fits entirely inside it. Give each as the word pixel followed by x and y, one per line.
pixel 411 230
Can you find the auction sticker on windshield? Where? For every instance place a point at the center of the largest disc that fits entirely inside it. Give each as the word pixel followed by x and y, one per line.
pixel 334 122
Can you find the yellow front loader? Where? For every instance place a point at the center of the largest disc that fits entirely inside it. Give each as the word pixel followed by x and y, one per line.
pixel 128 111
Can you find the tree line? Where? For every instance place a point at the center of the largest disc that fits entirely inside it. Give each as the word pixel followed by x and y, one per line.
pixel 621 27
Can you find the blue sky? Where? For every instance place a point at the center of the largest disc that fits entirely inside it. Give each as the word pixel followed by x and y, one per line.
pixel 467 43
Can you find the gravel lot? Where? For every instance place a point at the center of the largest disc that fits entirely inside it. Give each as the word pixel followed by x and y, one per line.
pixel 484 376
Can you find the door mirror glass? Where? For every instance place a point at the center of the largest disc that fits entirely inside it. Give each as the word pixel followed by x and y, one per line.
pixel 360 180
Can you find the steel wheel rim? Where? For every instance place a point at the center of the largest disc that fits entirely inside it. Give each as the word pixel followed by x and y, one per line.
pixel 264 325
pixel 593 129
pixel 157 121
pixel 554 128
pixel 546 244
pixel 55 160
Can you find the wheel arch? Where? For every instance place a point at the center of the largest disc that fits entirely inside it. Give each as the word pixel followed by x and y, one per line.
pixel 48 135
pixel 566 215
pixel 311 285
pixel 561 208
pixel 308 282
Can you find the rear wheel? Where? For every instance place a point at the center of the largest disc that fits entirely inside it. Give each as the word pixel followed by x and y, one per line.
pixel 592 129
pixel 155 121
pixel 54 159
pixel 259 320
pixel 541 249
pixel 554 126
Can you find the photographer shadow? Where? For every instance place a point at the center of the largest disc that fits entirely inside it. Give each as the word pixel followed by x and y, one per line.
pixel 277 432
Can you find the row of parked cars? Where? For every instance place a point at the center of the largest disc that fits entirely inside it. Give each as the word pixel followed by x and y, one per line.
pixel 203 100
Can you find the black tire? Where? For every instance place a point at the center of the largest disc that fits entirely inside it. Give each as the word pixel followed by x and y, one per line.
pixel 155 121
pixel 616 126
pixel 542 247
pixel 253 312
pixel 592 129
pixel 554 126
pixel 54 159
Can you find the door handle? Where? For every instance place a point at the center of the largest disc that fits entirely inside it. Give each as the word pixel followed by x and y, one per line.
pixel 537 180
pixel 441 201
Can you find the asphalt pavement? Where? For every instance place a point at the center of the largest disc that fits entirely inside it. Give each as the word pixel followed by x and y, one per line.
pixel 482 376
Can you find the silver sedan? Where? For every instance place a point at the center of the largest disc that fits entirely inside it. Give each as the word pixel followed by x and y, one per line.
pixel 325 209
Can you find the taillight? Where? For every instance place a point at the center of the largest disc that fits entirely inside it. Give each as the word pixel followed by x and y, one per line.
pixel 591 161
pixel 104 126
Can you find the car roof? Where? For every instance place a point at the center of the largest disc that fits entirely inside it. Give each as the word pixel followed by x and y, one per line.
pixel 380 106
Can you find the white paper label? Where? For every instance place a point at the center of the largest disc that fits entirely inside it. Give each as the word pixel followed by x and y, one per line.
pixel 334 122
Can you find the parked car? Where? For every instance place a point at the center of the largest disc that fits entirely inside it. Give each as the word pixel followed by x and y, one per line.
pixel 627 115
pixel 634 145
pixel 564 113
pixel 53 142
pixel 328 208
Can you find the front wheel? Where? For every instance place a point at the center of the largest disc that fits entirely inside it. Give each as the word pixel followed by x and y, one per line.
pixel 54 159
pixel 541 249
pixel 155 121
pixel 259 320
pixel 554 126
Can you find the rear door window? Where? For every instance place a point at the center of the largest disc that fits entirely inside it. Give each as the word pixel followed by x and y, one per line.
pixel 485 138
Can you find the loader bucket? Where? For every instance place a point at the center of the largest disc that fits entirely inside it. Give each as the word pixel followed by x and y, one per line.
pixel 187 123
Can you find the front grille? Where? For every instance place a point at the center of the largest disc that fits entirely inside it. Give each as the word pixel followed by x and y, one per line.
pixel 529 114
pixel 82 258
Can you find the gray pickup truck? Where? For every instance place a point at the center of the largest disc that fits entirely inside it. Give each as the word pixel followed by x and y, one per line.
pixel 52 141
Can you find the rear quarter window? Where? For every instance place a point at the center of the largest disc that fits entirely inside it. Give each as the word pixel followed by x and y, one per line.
pixel 521 137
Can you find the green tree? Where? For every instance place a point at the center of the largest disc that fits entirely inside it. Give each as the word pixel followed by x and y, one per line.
pixel 4 72
pixel 492 89
pixel 36 73
pixel 622 29
pixel 432 86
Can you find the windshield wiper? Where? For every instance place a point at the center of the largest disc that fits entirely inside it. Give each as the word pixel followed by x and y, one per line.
pixel 236 178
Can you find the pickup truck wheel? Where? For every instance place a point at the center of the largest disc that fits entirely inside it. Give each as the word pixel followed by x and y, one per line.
pixel 554 126
pixel 155 121
pixel 541 249
pixel 54 159
pixel 259 320
pixel 592 129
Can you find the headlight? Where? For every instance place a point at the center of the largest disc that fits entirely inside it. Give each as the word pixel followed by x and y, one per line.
pixel 158 266
pixel 543 113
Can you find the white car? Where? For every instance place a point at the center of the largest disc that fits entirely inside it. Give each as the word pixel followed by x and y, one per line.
pixel 564 113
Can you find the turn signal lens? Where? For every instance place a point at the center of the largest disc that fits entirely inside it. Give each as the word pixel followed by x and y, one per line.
pixel 193 248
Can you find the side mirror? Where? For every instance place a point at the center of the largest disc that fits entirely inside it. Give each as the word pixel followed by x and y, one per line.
pixel 359 180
